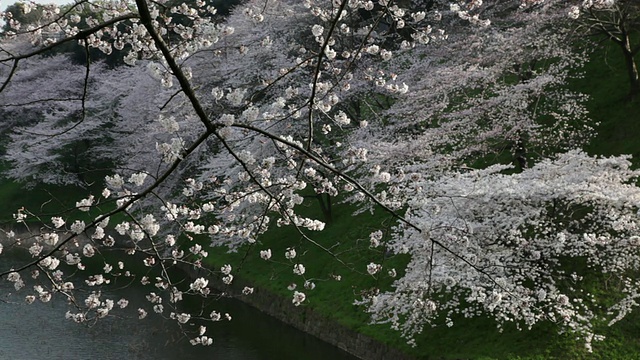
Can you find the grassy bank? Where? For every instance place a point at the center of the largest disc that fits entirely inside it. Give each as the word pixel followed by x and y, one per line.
pixel 467 339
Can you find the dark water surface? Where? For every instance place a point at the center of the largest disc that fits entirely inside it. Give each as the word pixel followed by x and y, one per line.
pixel 40 331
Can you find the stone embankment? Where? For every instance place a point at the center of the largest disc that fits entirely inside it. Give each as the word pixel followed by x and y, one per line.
pixel 305 319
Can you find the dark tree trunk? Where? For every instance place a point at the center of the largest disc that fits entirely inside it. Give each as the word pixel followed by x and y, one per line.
pixel 520 154
pixel 632 69
pixel 325 206
pixel 324 200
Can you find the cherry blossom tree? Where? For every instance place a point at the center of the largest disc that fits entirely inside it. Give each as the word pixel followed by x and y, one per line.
pixel 219 128
pixel 490 242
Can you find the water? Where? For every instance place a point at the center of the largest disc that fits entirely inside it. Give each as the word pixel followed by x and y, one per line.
pixel 40 331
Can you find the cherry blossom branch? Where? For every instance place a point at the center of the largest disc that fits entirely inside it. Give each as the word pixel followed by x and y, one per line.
pixel 8 79
pixel 145 19
pixel 40 101
pixel 134 198
pixel 55 20
pixel 371 196
pixel 316 74
pixel 81 35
